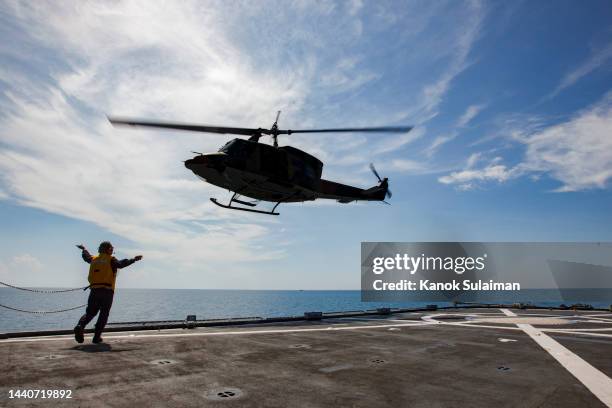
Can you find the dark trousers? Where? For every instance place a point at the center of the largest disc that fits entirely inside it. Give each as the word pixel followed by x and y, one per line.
pixel 100 300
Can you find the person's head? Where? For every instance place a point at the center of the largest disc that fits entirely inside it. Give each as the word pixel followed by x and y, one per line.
pixel 105 248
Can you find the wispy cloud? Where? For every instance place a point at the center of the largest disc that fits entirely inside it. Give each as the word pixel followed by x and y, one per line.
pixel 596 60
pixel 470 113
pixel 469 178
pixel 433 94
pixel 438 142
pixel 577 152
pixel 345 76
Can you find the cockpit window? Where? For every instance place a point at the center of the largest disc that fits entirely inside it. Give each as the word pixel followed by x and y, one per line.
pixel 239 149
pixel 226 147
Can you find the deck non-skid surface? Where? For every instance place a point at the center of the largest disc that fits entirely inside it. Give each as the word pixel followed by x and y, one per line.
pixel 462 357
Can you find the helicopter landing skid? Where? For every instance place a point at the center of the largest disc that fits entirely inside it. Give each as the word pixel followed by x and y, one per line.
pixel 231 207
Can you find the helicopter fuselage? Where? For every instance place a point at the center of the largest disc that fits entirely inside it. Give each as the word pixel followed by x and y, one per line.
pixel 276 174
pixel 260 171
pixel 246 183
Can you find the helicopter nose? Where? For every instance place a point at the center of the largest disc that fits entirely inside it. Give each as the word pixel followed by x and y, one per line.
pixel 209 160
pixel 198 160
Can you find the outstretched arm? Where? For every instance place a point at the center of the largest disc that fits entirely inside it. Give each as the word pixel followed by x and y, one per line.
pixel 124 262
pixel 85 254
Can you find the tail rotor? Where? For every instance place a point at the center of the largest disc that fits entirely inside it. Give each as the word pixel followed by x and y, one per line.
pixel 384 182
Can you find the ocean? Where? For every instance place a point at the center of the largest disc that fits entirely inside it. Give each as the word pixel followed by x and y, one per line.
pixel 176 304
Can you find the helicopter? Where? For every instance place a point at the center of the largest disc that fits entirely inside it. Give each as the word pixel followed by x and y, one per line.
pixel 263 172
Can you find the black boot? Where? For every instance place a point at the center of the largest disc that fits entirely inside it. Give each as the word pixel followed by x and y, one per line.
pixel 78 334
pixel 97 338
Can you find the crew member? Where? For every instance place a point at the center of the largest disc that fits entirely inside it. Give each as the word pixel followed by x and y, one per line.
pixel 102 276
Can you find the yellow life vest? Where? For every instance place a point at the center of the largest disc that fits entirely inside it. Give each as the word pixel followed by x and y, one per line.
pixel 101 273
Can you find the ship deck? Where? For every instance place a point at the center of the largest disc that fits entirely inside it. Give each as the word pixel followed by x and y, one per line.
pixel 480 357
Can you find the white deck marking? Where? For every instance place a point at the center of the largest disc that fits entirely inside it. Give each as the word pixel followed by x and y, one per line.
pixel 508 312
pixel 605 329
pixel 480 326
pixel 385 320
pixel 579 333
pixel 601 319
pixel 431 319
pixel 596 381
pixel 219 333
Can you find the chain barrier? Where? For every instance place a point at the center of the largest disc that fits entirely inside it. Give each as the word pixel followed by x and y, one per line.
pixel 42 290
pixel 42 311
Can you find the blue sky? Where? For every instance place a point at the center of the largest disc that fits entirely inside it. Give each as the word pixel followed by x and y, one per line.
pixel 511 103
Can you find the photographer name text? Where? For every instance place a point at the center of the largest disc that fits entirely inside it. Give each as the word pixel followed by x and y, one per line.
pixel 426 284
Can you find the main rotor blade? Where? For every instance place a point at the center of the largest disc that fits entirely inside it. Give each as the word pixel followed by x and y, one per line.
pixel 248 131
pixel 185 126
pixel 384 129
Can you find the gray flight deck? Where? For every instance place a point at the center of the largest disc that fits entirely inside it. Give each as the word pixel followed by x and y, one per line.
pixel 476 357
